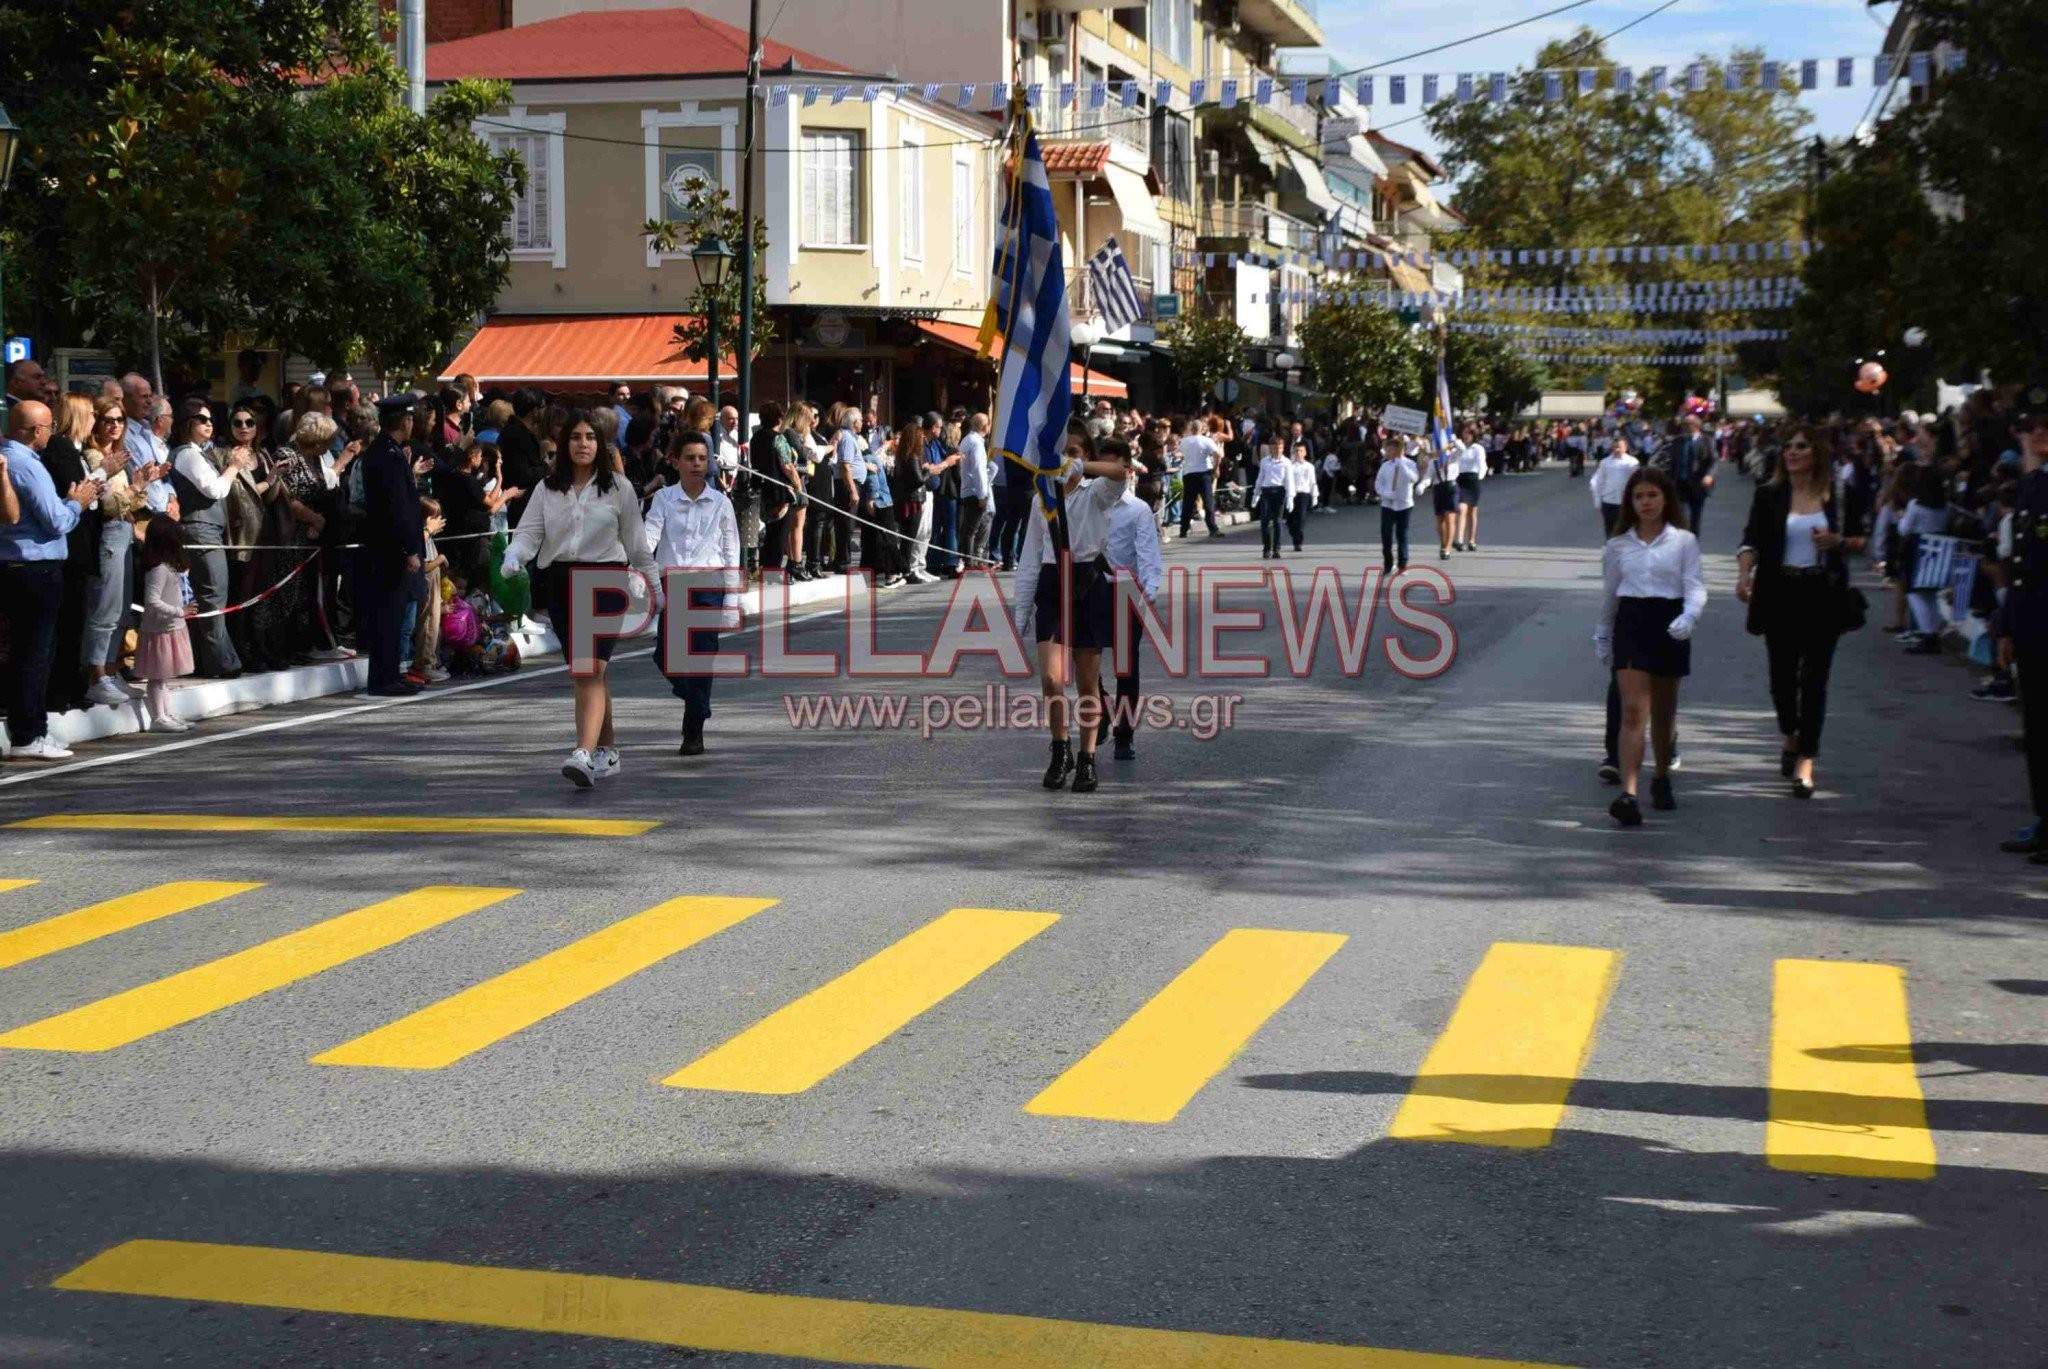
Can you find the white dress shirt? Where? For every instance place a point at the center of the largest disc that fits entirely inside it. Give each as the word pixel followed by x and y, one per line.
pixel 1088 510
pixel 581 525
pixel 1272 474
pixel 1134 544
pixel 1396 483
pixel 190 461
pixel 1301 479
pixel 1610 478
pixel 1473 462
pixel 973 466
pixel 1666 568
pixel 693 533
pixel 1198 454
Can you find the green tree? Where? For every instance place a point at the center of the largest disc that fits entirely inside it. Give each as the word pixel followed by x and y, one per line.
pixel 1207 350
pixel 710 212
pixel 1362 353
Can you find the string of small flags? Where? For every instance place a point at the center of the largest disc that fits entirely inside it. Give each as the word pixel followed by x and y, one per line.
pixel 1464 87
pixel 1776 296
pixel 1668 359
pixel 1532 332
pixel 1370 258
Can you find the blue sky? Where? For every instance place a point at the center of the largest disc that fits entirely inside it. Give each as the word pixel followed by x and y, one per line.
pixel 1361 33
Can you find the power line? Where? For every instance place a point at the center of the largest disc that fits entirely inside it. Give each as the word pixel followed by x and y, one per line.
pixel 1460 42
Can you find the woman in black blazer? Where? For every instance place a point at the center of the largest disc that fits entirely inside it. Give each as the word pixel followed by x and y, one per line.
pixel 1794 575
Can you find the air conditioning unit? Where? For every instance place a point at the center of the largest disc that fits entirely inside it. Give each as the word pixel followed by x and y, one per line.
pixel 1224 18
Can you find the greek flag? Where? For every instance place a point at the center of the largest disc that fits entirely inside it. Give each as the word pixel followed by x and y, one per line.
pixel 1440 431
pixel 1029 312
pixel 1116 293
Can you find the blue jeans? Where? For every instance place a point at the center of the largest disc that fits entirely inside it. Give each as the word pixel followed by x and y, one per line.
pixel 108 604
pixel 941 560
pixel 693 688
pixel 1393 532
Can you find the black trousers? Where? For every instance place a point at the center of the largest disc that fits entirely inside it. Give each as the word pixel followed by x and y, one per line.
pixel 1393 533
pixel 2033 663
pixel 1610 514
pixel 1801 647
pixel 1126 685
pixel 1695 510
pixel 380 608
pixel 1297 517
pixel 31 593
pixel 1197 485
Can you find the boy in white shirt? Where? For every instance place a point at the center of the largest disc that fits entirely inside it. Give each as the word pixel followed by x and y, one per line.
pixel 1270 496
pixel 1134 549
pixel 691 526
pixel 1301 492
pixel 1610 478
pixel 1395 485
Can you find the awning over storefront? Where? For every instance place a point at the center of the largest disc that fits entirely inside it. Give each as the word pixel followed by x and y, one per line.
pixel 963 337
pixel 1358 149
pixel 579 350
pixel 1410 278
pixel 1134 202
pixel 1311 177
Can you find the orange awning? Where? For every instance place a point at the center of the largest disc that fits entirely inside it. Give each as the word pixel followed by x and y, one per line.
pixel 965 337
pixel 580 350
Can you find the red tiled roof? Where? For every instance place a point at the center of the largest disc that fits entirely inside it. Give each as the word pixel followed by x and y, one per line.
pixel 578 349
pixel 1075 159
pixel 967 339
pixel 611 44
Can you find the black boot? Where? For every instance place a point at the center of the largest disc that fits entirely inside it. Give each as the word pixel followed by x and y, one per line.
pixel 1084 773
pixel 1062 765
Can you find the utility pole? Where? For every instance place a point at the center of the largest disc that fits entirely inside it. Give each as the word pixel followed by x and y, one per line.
pixel 744 356
pixel 412 49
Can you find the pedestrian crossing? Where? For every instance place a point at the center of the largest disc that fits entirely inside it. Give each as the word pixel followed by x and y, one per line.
pixel 1844 1096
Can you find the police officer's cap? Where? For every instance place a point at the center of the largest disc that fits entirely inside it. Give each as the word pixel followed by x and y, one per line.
pixel 391 406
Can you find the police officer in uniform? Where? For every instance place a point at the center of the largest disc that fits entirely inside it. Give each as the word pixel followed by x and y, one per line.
pixel 393 541
pixel 2023 618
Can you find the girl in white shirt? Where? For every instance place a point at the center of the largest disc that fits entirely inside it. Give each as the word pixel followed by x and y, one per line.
pixel 1270 495
pixel 1654 594
pixel 1610 478
pixel 585 515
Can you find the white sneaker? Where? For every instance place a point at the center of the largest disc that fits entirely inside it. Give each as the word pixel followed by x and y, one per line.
pixel 579 769
pixel 43 748
pixel 436 675
pixel 165 722
pixel 923 577
pixel 105 691
pixel 605 762
pixel 332 653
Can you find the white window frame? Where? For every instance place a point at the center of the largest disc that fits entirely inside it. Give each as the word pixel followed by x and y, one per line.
pixel 965 239
pixel 910 196
pixel 690 114
pixel 863 203
pixel 517 121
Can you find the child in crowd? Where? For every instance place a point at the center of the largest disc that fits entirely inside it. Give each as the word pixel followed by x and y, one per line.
pixel 164 650
pixel 426 643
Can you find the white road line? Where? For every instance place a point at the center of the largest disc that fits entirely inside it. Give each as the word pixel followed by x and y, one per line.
pixel 311 719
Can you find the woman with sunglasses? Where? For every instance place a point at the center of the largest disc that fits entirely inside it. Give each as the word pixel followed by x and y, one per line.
pixel 1793 572
pixel 248 567
pixel 202 482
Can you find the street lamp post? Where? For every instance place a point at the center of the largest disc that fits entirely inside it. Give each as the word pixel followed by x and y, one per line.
pixel 10 143
pixel 1286 361
pixel 713 259
pixel 1085 336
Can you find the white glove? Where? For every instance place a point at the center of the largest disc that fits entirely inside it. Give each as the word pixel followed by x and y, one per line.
pixel 1681 627
pixel 1603 649
pixel 509 567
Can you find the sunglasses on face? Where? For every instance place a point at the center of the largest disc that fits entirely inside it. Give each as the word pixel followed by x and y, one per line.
pixel 241 422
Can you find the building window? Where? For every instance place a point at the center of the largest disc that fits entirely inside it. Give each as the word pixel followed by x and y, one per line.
pixel 910 197
pixel 1173 29
pixel 535 225
pixel 963 217
pixel 831 188
pixel 1173 154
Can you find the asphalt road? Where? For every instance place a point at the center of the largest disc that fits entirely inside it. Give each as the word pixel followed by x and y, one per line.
pixel 1605 1185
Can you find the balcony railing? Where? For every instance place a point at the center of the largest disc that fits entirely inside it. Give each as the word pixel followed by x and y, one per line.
pixel 1112 123
pixel 1258 224
pixel 1081 296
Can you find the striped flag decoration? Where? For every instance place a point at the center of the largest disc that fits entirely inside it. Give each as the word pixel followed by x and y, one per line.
pixel 1934 566
pixel 1116 291
pixel 1029 313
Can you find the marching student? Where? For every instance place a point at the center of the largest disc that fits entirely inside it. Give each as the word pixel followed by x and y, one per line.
pixel 1395 485
pixel 1794 575
pixel 1270 495
pixel 1442 479
pixel 1083 625
pixel 584 514
pixel 1301 491
pixel 1471 470
pixel 1654 594
pixel 1610 478
pixel 1133 548
pixel 691 525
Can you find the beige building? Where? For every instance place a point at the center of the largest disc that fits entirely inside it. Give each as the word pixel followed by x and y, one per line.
pixel 878 212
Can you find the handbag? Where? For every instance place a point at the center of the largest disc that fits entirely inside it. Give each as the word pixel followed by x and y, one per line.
pixel 1855 608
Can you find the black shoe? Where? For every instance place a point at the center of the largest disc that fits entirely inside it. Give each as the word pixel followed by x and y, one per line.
pixel 1084 773
pixel 1927 646
pixel 1660 794
pixel 1125 751
pixel 692 746
pixel 1625 811
pixel 401 690
pixel 2038 858
pixel 2027 845
pixel 1788 761
pixel 1471 546
pixel 1610 771
pixel 1802 789
pixel 1216 532
pixel 1442 555
pixel 1062 765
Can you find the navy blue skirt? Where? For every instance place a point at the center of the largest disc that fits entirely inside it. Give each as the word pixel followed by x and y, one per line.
pixel 1643 642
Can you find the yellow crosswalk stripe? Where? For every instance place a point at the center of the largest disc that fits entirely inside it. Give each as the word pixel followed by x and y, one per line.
pixel 63 932
pixel 830 1027
pixel 1522 1031
pixel 10 885
pixel 437 826
pixel 1844 1095
pixel 696 1316
pixel 1152 1066
pixel 181 998
pixel 445 1032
